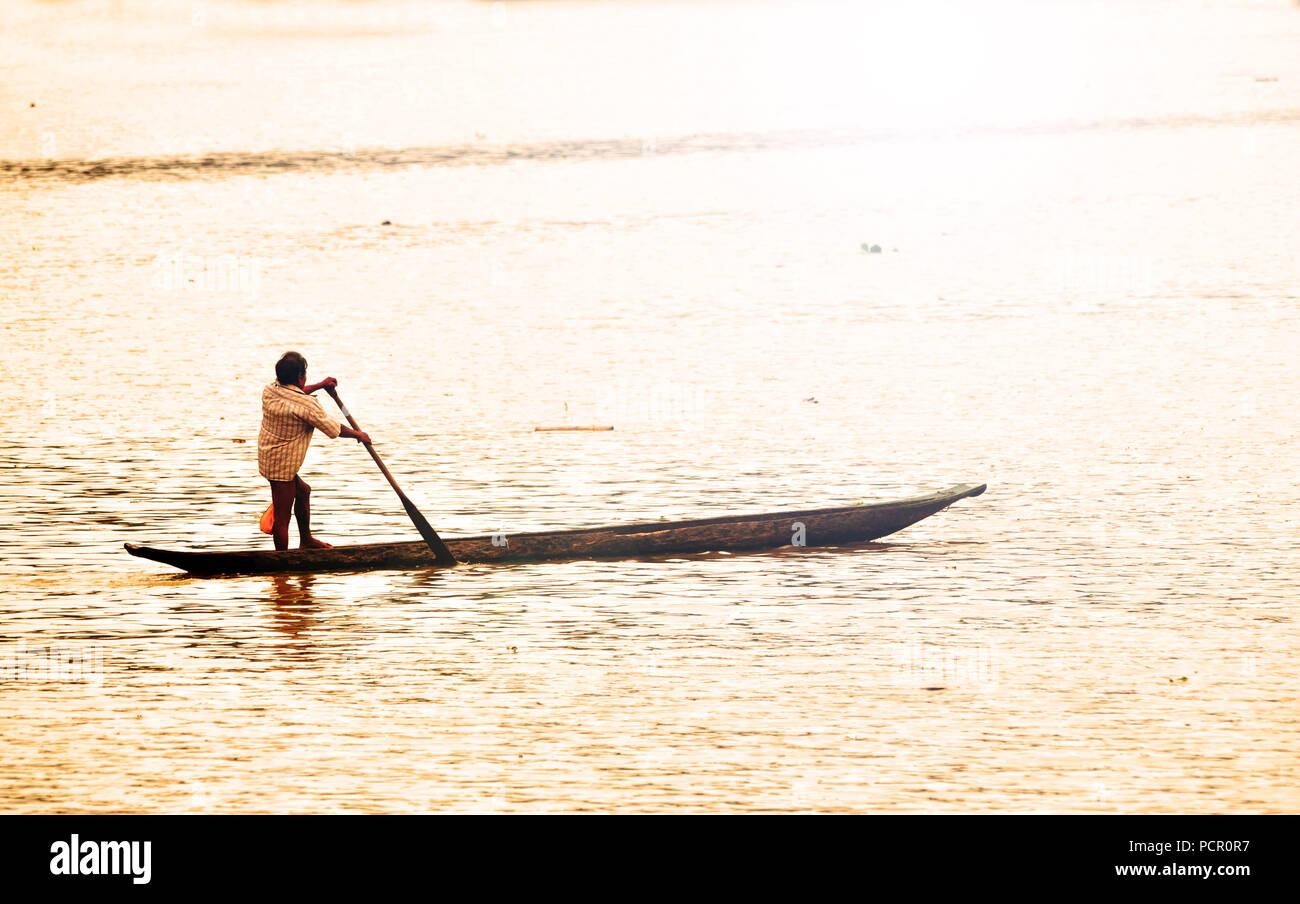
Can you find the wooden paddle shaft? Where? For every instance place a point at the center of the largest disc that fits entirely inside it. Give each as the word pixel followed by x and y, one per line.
pixel 440 551
pixel 369 448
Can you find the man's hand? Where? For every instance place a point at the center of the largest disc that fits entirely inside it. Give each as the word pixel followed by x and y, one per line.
pixel 327 383
pixel 360 436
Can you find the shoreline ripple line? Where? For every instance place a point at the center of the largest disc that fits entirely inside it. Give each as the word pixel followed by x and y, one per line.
pixel 266 163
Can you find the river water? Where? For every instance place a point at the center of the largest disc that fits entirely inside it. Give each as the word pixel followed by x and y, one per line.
pixel 651 215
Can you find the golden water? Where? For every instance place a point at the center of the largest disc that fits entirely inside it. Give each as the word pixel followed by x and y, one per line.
pixel 651 216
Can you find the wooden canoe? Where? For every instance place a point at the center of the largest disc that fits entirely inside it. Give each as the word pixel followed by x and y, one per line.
pixel 821 527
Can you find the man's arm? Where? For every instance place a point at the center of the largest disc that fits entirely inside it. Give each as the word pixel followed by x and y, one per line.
pixel 360 436
pixel 344 430
pixel 326 383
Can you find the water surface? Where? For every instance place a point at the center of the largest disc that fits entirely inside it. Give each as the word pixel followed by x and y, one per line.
pixel 652 216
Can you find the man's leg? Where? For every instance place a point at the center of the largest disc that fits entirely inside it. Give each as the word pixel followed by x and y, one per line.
pixel 302 509
pixel 282 494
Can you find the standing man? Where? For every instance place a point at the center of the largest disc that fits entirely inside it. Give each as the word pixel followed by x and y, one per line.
pixel 289 414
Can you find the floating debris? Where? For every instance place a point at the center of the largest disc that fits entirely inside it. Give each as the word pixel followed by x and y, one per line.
pixel 555 429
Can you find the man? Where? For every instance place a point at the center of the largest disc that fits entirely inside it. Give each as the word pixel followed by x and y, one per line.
pixel 289 415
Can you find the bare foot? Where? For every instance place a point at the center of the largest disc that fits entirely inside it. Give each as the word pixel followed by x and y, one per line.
pixel 313 543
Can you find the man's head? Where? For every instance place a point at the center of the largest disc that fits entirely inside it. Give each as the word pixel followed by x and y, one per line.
pixel 291 369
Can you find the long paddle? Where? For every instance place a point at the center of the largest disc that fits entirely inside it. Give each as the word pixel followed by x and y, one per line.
pixel 440 551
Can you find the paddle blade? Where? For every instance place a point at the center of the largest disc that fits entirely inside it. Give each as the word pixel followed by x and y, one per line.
pixel 267 524
pixel 440 551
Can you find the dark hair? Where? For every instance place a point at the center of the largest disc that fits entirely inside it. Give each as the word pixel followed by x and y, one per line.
pixel 289 368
